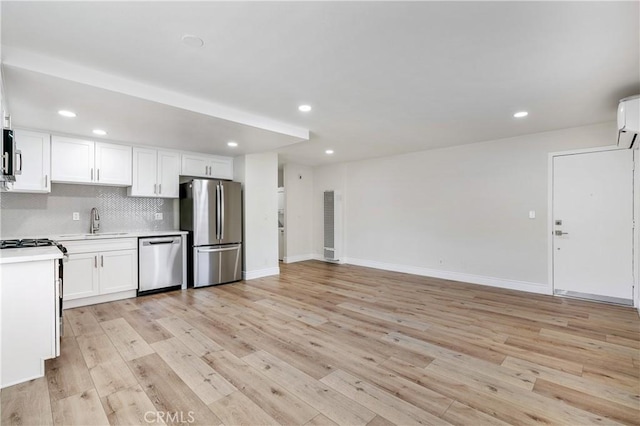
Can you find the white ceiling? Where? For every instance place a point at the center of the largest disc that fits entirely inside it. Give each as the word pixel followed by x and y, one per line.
pixel 382 77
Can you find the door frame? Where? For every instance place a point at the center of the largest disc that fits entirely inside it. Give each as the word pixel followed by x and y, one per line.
pixel 635 214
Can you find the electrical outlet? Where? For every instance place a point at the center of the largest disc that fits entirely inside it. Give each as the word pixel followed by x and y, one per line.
pixel 532 214
pixel 76 216
pixel 158 216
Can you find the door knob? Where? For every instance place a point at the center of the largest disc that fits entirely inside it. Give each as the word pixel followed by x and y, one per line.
pixel 560 233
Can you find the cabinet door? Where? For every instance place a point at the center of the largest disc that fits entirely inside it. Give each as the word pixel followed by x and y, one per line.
pixel 36 162
pixel 118 271
pixel 194 165
pixel 72 160
pixel 221 168
pixel 113 164
pixel 168 174
pixel 145 170
pixel 80 276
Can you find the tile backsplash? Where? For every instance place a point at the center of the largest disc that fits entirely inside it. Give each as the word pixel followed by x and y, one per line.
pixel 34 215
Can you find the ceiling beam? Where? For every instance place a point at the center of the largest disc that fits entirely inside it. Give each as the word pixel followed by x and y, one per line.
pixel 30 61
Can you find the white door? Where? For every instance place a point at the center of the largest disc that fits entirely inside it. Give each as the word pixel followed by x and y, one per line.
pixel 144 173
pixel 113 164
pixel 72 160
pixel 195 165
pixel 168 174
pixel 221 168
pixel 36 156
pixel 80 276
pixel 118 271
pixel 593 225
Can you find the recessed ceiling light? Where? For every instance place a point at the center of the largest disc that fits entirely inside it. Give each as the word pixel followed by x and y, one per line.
pixel 232 144
pixel 305 108
pixel 329 152
pixel 520 114
pixel 192 41
pixel 65 113
pixel 99 132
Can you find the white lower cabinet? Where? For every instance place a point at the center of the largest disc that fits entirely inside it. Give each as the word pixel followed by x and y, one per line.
pixel 100 271
pixel 80 276
pixel 29 331
pixel 118 271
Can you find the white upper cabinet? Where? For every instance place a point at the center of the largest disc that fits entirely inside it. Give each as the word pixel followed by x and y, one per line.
pixel 145 170
pixel 82 161
pixel 195 165
pixel 208 166
pixel 155 173
pixel 72 160
pixel 113 164
pixel 168 174
pixel 36 162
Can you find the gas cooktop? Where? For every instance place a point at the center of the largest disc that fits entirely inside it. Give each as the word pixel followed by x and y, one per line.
pixel 30 242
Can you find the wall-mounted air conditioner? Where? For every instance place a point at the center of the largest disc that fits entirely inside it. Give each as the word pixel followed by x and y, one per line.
pixel 332 226
pixel 628 121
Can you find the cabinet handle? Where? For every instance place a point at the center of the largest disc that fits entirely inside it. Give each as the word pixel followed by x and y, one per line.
pixel 46 181
pixel 159 188
pixel 95 261
pixel 92 173
pixel 155 186
pixel 101 261
pixel 98 179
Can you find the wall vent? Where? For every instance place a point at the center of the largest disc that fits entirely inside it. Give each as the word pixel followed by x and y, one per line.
pixel 332 226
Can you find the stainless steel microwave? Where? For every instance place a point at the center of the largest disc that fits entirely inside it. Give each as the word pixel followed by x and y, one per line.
pixel 11 157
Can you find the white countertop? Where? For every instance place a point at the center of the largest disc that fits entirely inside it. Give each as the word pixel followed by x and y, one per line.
pixel 107 235
pixel 30 254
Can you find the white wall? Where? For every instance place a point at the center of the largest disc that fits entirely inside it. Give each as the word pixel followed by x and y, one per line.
pixel 459 213
pixel 298 185
pixel 259 176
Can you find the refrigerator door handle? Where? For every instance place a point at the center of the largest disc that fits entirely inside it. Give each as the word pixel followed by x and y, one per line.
pixel 222 212
pixel 200 250
pixel 218 224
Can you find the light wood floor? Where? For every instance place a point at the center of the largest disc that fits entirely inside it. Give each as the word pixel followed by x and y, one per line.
pixel 325 344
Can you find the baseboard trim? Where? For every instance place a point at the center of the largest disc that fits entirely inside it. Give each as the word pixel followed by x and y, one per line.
pixel 259 273
pixel 527 286
pixel 298 258
pixel 103 298
pixel 321 258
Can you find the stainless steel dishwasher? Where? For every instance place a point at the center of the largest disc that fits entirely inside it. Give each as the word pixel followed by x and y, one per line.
pixel 160 265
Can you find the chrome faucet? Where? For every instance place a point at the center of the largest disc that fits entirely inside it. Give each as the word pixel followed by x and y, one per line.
pixel 95 221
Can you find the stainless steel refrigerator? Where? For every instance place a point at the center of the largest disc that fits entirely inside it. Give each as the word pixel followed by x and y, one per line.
pixel 211 210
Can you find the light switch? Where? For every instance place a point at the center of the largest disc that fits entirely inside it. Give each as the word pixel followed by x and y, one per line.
pixel 532 214
pixel 158 216
pixel 76 216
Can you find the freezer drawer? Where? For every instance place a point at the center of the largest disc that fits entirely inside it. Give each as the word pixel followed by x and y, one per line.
pixel 217 264
pixel 160 263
